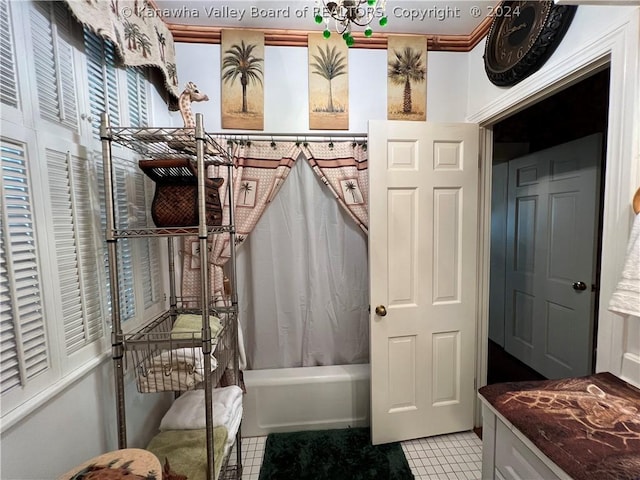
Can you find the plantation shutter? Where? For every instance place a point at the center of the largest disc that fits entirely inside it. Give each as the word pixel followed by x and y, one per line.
pixel 23 349
pixel 8 83
pixel 125 257
pixel 75 250
pixel 102 80
pixel 103 257
pixel 149 250
pixel 53 58
pixel 137 97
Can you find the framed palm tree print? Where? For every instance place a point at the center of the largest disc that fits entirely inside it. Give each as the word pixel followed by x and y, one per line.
pixel 328 83
pixel 406 77
pixel 242 79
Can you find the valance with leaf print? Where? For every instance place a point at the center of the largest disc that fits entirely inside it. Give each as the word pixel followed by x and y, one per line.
pixel 136 29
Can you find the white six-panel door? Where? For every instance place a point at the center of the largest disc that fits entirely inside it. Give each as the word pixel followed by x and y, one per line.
pixel 550 260
pixel 423 250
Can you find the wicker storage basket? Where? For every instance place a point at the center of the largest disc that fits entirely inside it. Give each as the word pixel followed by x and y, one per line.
pixel 175 202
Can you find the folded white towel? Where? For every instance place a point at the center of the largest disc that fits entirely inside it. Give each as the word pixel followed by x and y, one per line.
pixel 187 359
pixel 227 396
pixel 188 413
pixel 626 297
pixel 232 428
pixel 159 380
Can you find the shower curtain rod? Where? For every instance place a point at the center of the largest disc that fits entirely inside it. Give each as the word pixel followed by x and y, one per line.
pixel 292 137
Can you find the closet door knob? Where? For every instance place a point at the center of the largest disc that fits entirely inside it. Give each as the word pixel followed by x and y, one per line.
pixel 381 310
pixel 579 286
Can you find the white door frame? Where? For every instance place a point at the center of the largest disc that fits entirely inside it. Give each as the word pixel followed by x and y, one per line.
pixel 617 48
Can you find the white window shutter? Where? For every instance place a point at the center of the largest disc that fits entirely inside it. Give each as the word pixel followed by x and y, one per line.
pixel 149 252
pixel 103 256
pixel 70 198
pixel 8 82
pixel 125 256
pixel 53 58
pixel 24 352
pixel 137 97
pixel 102 79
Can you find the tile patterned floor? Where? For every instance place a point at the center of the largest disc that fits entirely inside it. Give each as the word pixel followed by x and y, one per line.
pixel 446 457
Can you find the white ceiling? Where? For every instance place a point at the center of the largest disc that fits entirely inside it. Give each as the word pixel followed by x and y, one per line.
pixel 453 17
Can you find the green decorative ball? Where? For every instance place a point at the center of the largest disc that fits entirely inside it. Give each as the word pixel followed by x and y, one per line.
pixel 326 34
pixel 318 18
pixel 346 35
pixel 350 41
pixel 368 32
pixel 383 21
pixel 372 2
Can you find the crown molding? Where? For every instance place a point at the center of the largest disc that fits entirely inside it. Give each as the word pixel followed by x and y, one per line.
pixel 299 38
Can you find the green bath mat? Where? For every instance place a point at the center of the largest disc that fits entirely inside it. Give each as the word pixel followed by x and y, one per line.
pixel 344 454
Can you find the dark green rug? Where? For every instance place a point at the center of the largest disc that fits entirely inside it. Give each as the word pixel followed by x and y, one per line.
pixel 332 455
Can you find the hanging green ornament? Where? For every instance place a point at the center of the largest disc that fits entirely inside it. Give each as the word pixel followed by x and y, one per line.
pixel 326 33
pixel 371 2
pixel 383 21
pixel 318 18
pixel 346 35
pixel 350 41
pixel 368 32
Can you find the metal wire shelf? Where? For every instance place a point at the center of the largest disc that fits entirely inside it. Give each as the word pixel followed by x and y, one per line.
pixel 169 231
pixel 167 361
pixel 165 143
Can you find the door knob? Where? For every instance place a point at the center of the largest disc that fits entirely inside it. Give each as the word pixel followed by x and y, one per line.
pixel 381 310
pixel 579 286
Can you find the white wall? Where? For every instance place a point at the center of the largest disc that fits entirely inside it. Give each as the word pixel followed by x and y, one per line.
pixel 78 424
pixel 598 35
pixel 286 86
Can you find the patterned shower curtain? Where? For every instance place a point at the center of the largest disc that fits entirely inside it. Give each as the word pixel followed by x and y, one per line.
pixel 342 166
pixel 260 169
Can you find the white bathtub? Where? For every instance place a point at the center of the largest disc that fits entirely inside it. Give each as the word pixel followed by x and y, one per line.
pixel 306 398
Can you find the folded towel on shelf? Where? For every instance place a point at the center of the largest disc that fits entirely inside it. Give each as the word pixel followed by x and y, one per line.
pixel 159 381
pixel 190 326
pixel 186 450
pixel 188 412
pixel 189 359
pixel 178 369
pixel 232 428
pixel 626 297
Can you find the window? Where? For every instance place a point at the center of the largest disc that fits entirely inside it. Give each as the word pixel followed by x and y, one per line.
pixel 54 64
pixel 76 250
pixel 24 340
pixel 52 213
pixel 102 79
pixel 136 97
pixel 8 87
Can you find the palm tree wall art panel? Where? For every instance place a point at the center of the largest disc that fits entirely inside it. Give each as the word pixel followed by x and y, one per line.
pixel 328 83
pixel 407 78
pixel 242 79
